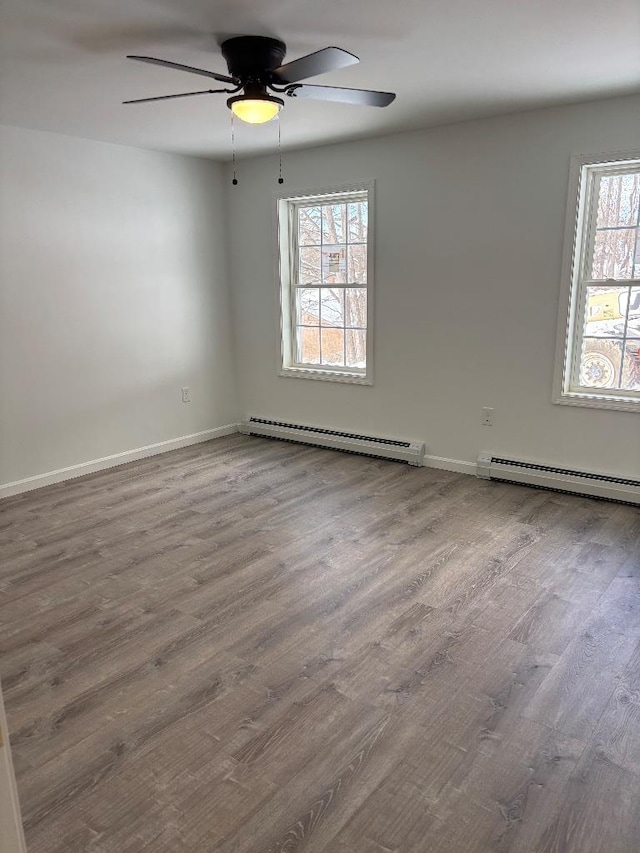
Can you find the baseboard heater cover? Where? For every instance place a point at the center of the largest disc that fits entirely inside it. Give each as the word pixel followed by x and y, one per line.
pixel 558 479
pixel 411 452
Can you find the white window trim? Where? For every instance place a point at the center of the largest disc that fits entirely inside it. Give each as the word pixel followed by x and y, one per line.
pixel 570 297
pixel 285 277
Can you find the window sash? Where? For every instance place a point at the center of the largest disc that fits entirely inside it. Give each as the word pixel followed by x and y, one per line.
pixel 575 385
pixel 290 362
pixel 585 237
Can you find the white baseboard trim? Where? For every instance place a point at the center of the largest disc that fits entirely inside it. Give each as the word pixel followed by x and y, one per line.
pixel 51 477
pixel 457 465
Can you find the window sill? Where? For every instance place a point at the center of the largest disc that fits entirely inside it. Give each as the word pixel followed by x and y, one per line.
pixel 621 404
pixel 325 375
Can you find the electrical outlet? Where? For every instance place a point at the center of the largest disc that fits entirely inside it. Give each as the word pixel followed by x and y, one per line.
pixel 186 394
pixel 487 416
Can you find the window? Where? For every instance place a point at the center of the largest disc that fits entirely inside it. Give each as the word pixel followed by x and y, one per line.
pixel 599 333
pixel 326 288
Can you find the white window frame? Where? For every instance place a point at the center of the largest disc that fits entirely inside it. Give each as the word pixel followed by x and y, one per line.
pixel 578 250
pixel 287 260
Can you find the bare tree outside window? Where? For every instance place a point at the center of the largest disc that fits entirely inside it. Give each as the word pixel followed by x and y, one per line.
pixel 330 283
pixel 610 353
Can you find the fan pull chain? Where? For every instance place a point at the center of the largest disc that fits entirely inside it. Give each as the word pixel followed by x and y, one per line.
pixel 280 179
pixel 233 151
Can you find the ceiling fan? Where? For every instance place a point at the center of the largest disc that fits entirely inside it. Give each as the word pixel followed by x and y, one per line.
pixel 256 70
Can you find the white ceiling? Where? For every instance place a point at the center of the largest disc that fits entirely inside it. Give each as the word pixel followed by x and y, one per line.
pixel 63 66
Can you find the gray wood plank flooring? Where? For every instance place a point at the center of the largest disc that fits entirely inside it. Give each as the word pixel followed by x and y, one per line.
pixel 255 646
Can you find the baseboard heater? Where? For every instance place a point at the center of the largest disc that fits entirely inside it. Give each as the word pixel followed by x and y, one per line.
pixel 366 445
pixel 558 479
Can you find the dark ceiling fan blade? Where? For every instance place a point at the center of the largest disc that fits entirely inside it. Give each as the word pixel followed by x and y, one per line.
pixel 365 97
pixel 327 59
pixel 169 97
pixel 222 78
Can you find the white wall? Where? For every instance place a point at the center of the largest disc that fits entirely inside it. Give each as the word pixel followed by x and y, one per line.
pixel 469 230
pixel 114 296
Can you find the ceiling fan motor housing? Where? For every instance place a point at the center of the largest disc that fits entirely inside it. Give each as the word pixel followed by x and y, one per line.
pixel 252 57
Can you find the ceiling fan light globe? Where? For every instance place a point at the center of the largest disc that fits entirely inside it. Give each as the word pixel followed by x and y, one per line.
pixel 255 110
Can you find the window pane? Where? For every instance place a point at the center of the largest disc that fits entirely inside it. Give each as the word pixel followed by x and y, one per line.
pixel 357 221
pixel 613 253
pixel 334 223
pixel 334 264
pixel 333 346
pixel 357 270
pixel 600 363
pixel 332 307
pixel 606 310
pixel 633 321
pixel 356 345
pixel 307 306
pixel 631 366
pixel 309 225
pixel 356 307
pixel 308 346
pixel 309 272
pixel 619 200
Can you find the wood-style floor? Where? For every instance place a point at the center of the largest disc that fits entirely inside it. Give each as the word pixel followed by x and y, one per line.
pixel 249 647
